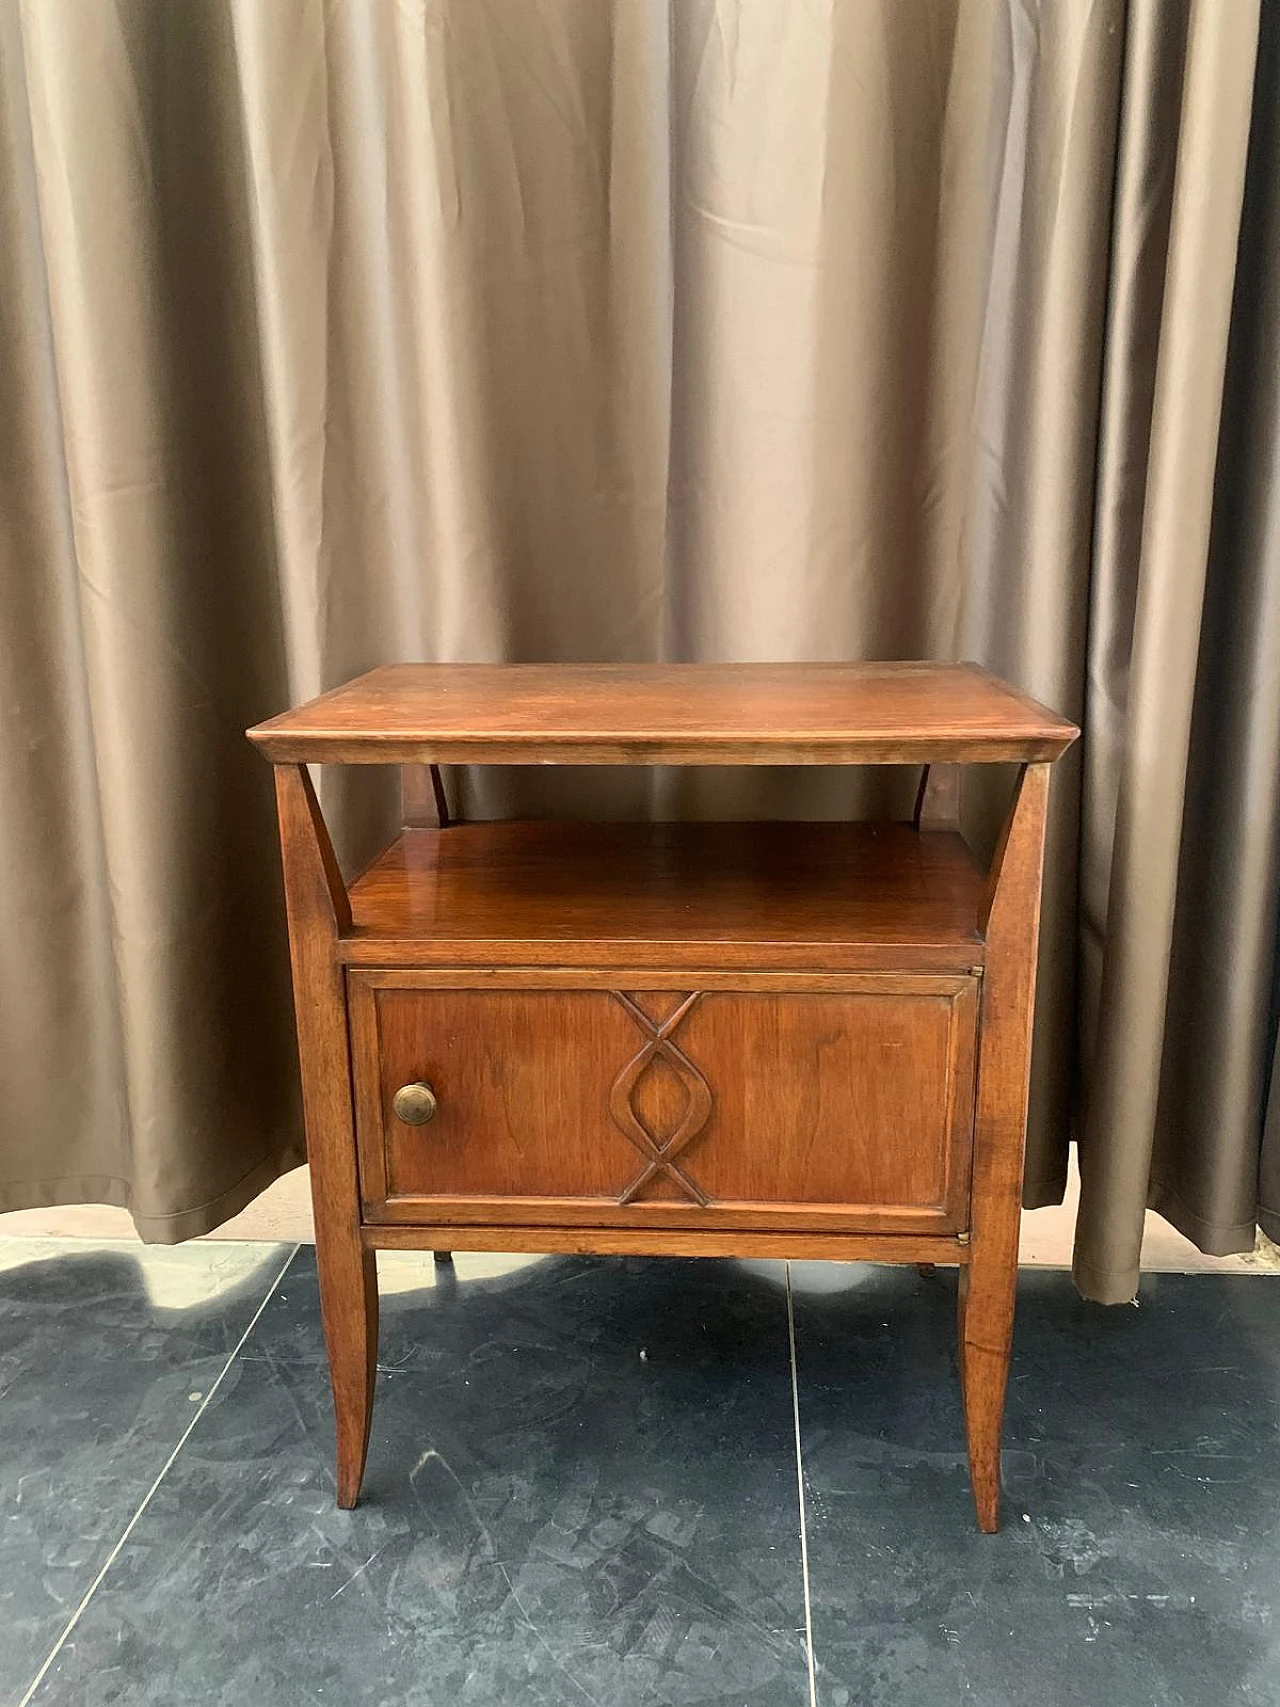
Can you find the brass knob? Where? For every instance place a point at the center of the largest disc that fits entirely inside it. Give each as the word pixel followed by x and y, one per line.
pixel 414 1104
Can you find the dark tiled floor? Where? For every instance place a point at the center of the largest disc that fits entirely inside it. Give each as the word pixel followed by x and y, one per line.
pixel 583 1487
pixel 104 1359
pixel 1139 1560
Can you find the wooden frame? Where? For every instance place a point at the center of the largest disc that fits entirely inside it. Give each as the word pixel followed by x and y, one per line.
pixel 939 716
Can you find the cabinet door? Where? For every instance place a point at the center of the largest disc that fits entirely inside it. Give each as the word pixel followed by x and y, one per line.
pixel 730 1101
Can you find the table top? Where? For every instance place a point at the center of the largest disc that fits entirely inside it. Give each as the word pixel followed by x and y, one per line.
pixel 737 714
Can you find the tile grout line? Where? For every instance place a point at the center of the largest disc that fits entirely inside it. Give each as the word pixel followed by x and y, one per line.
pixel 129 1527
pixel 804 1522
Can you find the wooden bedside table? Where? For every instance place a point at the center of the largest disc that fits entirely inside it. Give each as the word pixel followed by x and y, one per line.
pixel 775 1039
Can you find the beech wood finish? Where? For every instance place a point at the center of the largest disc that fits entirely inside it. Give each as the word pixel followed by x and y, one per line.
pixel 693 1039
pixel 718 1108
pixel 316 904
pixel 672 714
pixel 836 896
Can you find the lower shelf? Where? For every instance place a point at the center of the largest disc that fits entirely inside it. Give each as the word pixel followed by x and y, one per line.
pixel 830 895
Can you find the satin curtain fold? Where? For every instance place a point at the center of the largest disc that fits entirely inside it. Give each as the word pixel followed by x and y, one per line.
pixel 351 332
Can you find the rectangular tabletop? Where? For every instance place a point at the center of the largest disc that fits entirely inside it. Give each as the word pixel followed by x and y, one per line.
pixel 737 714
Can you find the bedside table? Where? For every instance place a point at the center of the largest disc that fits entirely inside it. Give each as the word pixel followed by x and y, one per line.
pixel 700 1039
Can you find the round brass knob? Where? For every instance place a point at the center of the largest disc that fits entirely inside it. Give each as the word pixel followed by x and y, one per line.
pixel 414 1104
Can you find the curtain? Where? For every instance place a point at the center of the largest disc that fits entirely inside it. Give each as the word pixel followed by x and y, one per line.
pixel 340 331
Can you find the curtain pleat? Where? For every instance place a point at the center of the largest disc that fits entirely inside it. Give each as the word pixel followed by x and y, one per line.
pixel 1173 552
pixel 157 558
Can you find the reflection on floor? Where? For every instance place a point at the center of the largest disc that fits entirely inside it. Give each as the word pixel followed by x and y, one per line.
pixel 583 1487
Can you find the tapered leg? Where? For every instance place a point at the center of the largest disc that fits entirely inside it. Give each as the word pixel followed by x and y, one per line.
pixel 349 1306
pixel 988 1282
pixel 318 908
pixel 985 1336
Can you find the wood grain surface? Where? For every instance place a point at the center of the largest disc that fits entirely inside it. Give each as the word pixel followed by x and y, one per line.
pixel 1011 919
pixel 634 714
pixel 827 894
pixel 842 1109
pixel 317 907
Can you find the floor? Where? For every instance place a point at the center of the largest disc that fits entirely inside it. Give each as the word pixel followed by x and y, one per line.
pixel 619 1481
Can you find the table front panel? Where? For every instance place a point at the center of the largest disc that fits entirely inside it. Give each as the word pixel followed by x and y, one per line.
pixel 825 1102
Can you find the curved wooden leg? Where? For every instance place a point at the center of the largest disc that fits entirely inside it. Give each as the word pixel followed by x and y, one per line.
pixel 319 908
pixel 985 1336
pixel 349 1305
pixel 988 1282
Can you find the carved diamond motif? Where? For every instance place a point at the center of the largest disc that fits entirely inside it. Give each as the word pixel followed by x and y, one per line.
pixel 660 1152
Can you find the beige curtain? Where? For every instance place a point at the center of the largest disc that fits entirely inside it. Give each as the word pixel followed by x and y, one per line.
pixel 336 333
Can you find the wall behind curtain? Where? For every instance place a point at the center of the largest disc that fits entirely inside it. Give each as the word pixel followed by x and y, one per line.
pixel 337 333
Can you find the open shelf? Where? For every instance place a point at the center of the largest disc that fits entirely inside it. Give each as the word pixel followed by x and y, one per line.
pixel 834 896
